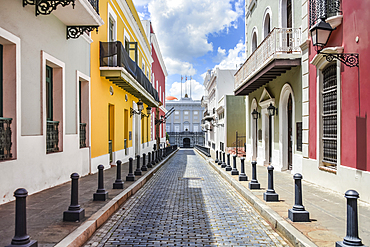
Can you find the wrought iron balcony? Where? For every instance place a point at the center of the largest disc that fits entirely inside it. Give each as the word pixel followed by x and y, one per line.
pixel 82 135
pixel 5 138
pixel 281 44
pixel 121 68
pixel 52 136
pixel 324 8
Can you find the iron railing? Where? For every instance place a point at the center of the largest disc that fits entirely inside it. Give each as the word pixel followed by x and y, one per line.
pixel 52 136
pixel 82 135
pixel 323 8
pixel 278 41
pixel 95 4
pixel 5 138
pixel 204 150
pixel 239 145
pixel 112 54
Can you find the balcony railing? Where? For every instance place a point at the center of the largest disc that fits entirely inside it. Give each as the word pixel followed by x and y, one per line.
pixel 95 4
pixel 279 42
pixel 82 135
pixel 52 136
pixel 112 54
pixel 324 8
pixel 5 138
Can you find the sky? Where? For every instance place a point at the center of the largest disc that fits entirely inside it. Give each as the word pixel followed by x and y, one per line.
pixel 195 36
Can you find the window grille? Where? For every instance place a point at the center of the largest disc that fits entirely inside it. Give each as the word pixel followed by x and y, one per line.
pixel 329 115
pixel 324 8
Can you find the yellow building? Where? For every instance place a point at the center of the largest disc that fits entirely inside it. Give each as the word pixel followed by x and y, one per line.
pixel 120 78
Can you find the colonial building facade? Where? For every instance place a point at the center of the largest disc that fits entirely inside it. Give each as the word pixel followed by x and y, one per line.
pixel 121 67
pixel 183 125
pixel 224 114
pixel 272 77
pixel 45 93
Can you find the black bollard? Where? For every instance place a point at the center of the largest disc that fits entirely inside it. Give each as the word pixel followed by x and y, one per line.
pixel 352 238
pixel 298 213
pixel 20 237
pixel 228 167
pixel 216 160
pixel 138 170
pixel 223 165
pixel 149 165
pixel 156 156
pixel 242 176
pixel 74 212
pixel 101 194
pixel 144 167
pixel 130 176
pixel 118 184
pixel 270 195
pixel 235 170
pixel 254 184
pixel 153 158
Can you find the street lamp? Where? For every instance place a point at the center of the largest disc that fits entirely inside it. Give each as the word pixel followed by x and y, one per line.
pixel 148 110
pixel 320 34
pixel 140 106
pixel 271 112
pixel 255 117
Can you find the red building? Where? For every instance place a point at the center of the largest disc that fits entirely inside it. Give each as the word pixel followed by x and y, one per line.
pixel 338 99
pixel 159 74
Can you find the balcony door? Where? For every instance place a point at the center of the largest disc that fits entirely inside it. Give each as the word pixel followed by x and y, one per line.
pixel 1 80
pixel 290 132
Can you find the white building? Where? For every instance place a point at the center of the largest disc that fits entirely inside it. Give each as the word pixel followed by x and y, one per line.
pixel 224 113
pixel 45 92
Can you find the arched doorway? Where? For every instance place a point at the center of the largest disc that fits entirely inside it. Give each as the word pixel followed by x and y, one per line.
pixel 186 143
pixel 290 132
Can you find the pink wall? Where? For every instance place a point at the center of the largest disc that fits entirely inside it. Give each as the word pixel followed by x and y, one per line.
pixel 161 78
pixel 355 88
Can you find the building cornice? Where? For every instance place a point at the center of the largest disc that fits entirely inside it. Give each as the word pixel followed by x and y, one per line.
pixel 154 40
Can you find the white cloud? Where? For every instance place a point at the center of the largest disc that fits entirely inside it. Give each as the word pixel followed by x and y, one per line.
pixel 182 26
pixel 141 2
pixel 234 58
pixel 197 89
pixel 175 66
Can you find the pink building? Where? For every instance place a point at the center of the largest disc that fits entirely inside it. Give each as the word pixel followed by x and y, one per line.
pixel 159 74
pixel 338 102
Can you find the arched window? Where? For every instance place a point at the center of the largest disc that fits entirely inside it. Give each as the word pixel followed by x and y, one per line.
pixel 266 26
pixel 254 42
pixel 286 14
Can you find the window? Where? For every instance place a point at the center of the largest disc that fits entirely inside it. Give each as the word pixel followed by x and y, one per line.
pixel 196 113
pixel 168 127
pixel 254 42
pixel 1 80
pixel 49 93
pixel 186 127
pixel 177 112
pixel 83 101
pixel 111 34
pixel 266 26
pixel 177 128
pixel 329 116
pixel 195 117
pixel 186 112
pixel 195 128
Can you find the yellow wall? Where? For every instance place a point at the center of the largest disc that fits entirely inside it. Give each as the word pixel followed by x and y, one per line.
pixel 100 87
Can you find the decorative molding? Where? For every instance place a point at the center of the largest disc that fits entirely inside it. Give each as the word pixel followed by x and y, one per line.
pixel 73 32
pixel 335 21
pixel 157 50
pixel 305 45
pixel 319 58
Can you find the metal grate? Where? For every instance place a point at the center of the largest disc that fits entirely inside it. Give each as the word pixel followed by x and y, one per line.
pixel 323 8
pixel 82 135
pixel 329 115
pixel 5 138
pixel 52 136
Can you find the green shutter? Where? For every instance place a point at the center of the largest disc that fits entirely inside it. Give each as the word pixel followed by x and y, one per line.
pixel 49 93
pixel 1 80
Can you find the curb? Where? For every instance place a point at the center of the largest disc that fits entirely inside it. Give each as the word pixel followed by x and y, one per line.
pixel 294 236
pixel 80 235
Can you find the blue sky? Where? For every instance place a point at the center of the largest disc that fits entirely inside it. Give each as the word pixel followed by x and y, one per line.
pixel 195 36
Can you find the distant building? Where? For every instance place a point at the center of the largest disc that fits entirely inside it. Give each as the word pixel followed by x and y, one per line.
pixel 183 125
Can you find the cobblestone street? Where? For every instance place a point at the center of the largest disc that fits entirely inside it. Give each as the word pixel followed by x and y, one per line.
pixel 186 204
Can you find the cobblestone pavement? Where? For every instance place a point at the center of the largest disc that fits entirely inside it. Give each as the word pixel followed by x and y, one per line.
pixel 186 204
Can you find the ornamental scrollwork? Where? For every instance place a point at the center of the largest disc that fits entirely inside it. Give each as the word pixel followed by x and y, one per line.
pixel 45 7
pixel 73 32
pixel 349 59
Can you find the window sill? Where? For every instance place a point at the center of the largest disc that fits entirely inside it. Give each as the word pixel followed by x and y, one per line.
pixel 335 21
pixel 327 169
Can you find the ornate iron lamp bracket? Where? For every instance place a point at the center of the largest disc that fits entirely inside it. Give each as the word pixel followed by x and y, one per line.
pixel 45 7
pixel 349 59
pixel 73 32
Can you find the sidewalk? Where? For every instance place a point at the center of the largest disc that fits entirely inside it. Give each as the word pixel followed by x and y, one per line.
pixel 45 209
pixel 327 208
